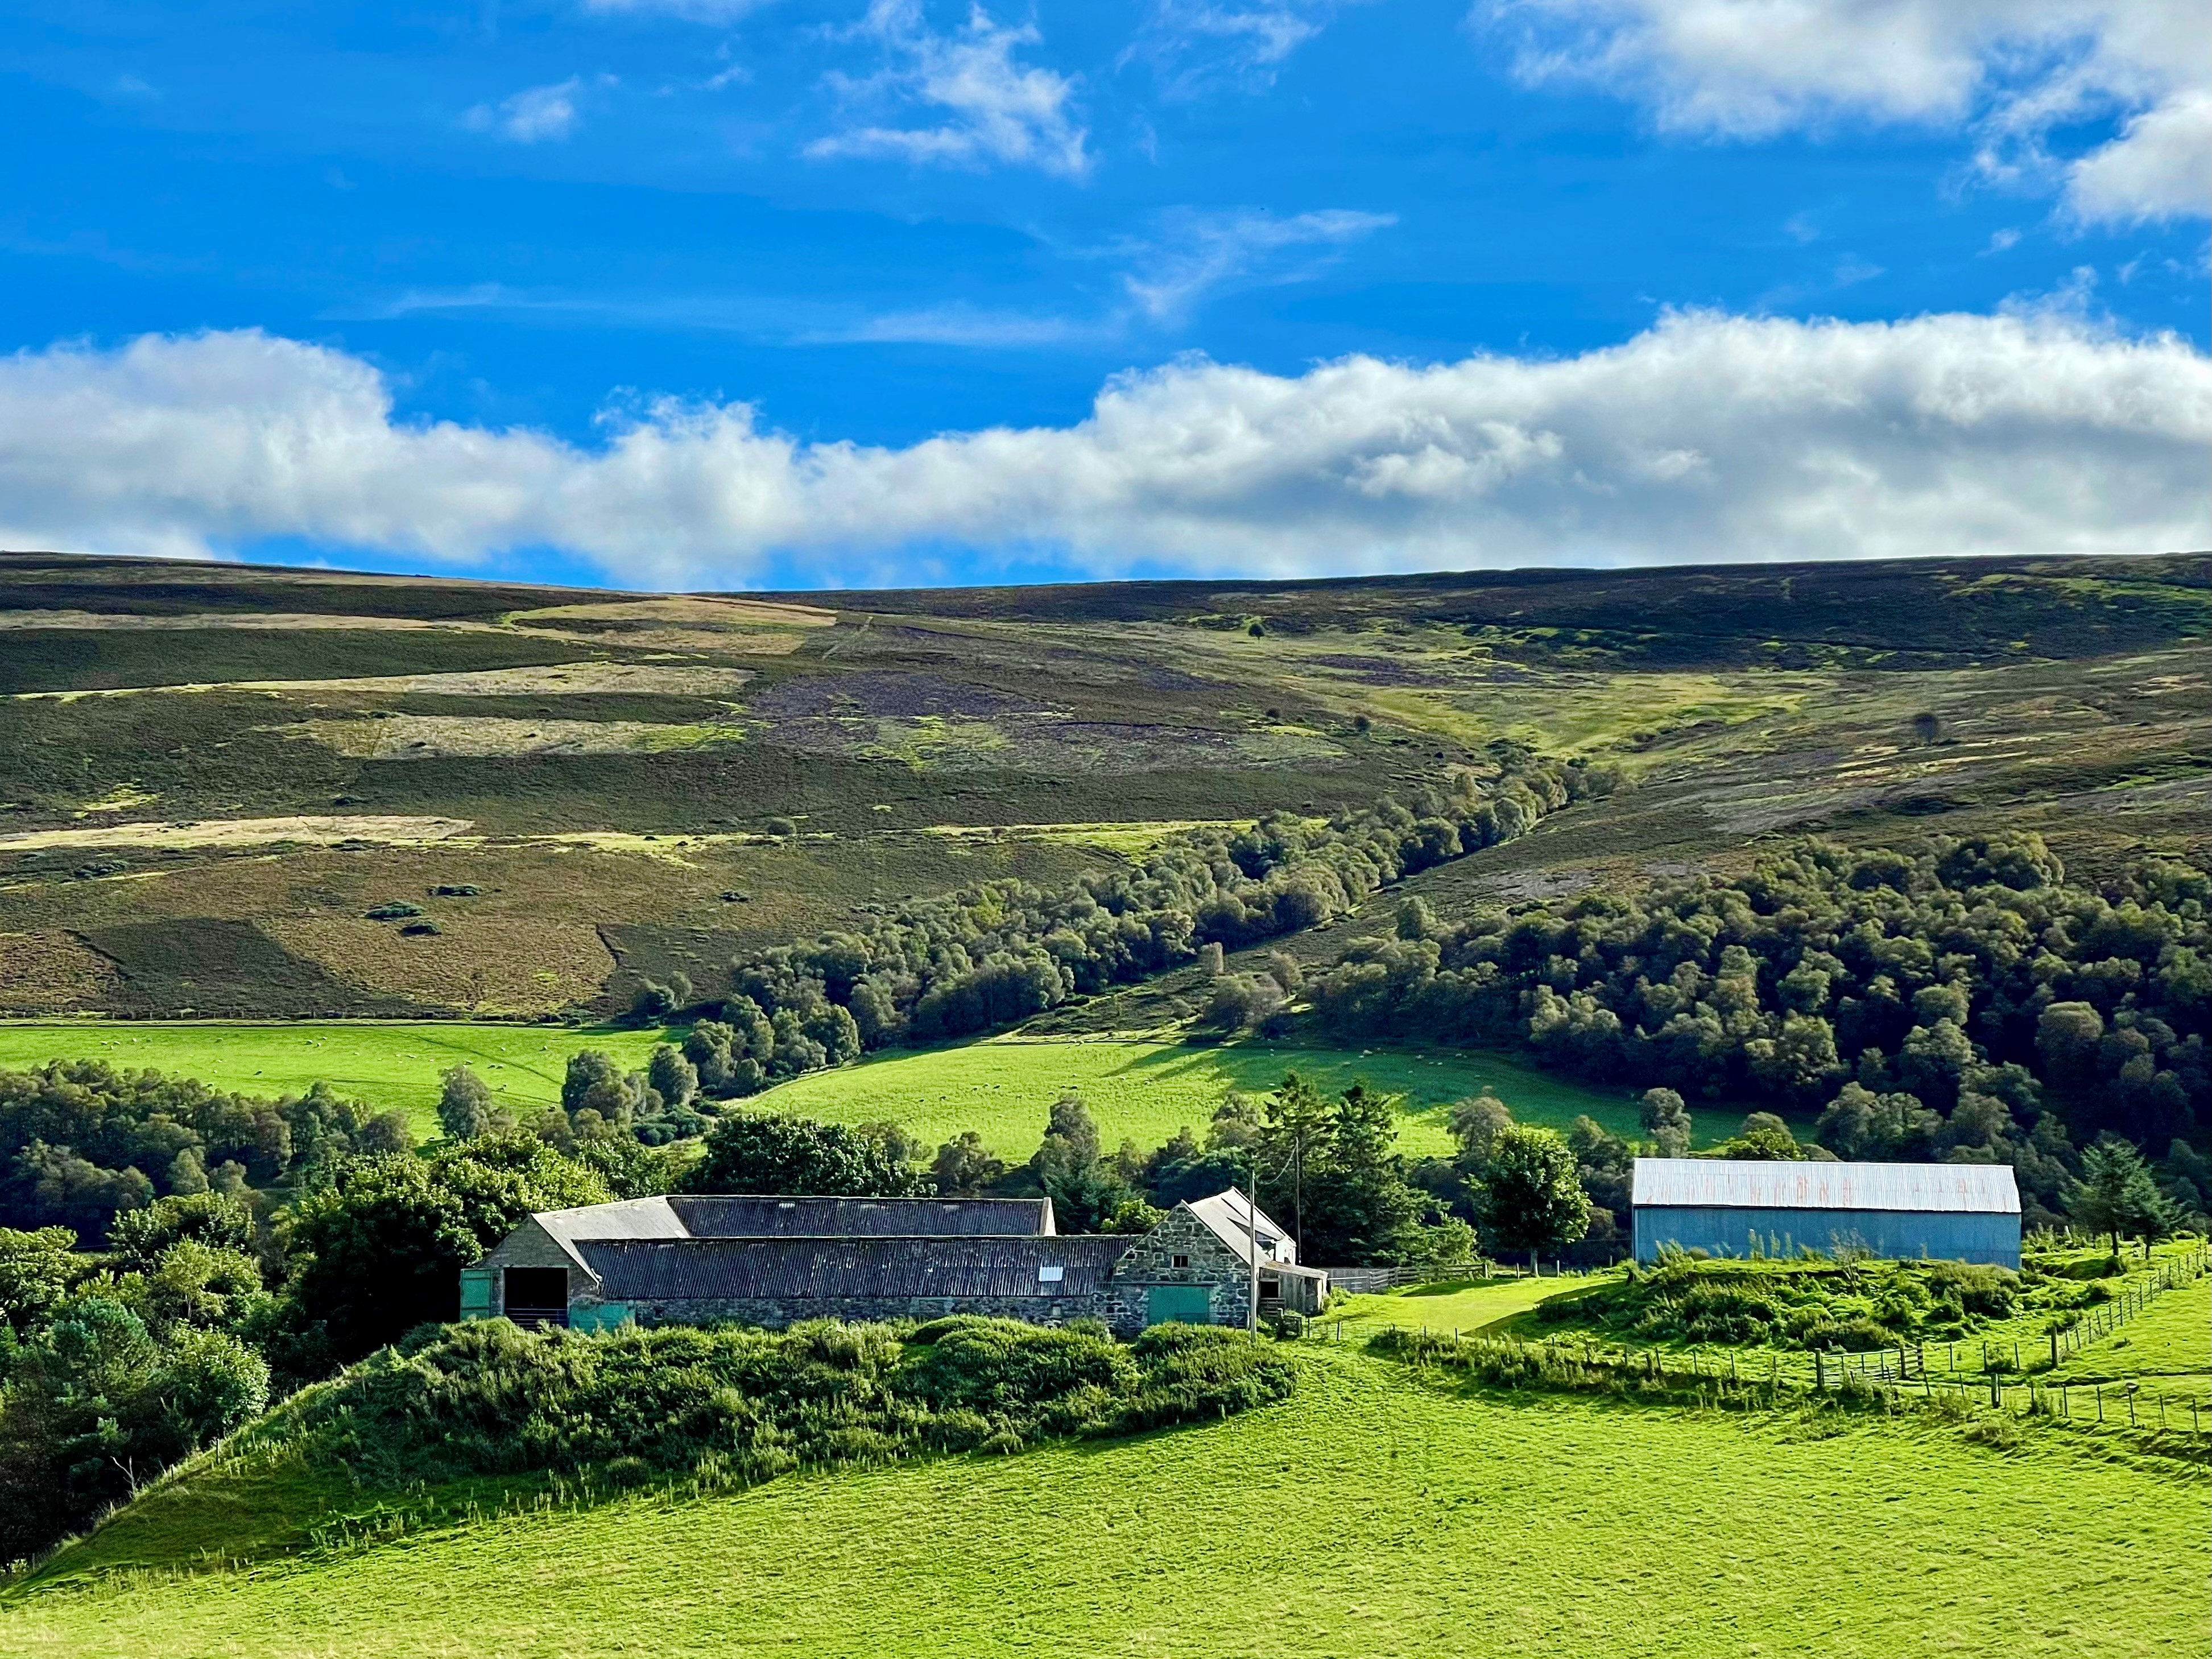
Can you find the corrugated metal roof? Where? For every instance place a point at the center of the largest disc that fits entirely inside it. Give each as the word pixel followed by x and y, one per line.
pixel 1230 1218
pixel 656 1270
pixel 1752 1184
pixel 745 1216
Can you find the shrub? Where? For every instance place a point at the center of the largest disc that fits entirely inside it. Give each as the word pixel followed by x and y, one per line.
pixel 732 1404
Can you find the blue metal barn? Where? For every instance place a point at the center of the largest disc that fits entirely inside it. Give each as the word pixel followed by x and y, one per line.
pixel 1729 1208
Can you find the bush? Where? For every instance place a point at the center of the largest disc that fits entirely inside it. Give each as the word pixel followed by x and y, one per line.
pixel 772 1153
pixel 732 1404
pixel 1816 1304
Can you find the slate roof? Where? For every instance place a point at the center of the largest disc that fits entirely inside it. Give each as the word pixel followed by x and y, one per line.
pixel 669 1270
pixel 1229 1219
pixel 684 1216
pixel 741 1217
pixel 1753 1184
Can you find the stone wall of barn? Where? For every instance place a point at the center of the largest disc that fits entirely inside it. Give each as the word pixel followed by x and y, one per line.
pixel 528 1246
pixel 775 1313
pixel 1151 1259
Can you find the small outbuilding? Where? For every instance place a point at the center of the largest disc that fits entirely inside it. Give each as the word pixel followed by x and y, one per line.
pixel 773 1262
pixel 1741 1208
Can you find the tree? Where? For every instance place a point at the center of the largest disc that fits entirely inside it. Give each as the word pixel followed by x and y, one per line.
pixel 674 1077
pixel 1532 1197
pixel 1474 1124
pixel 594 1083
pixel 215 1219
pixel 1083 1189
pixel 1667 1120
pixel 95 1406
pixel 965 1167
pixel 1359 1208
pixel 1294 1125
pixel 1765 1136
pixel 465 1104
pixel 1605 1163
pixel 36 1272
pixel 2115 1194
pixel 378 1250
pixel 772 1153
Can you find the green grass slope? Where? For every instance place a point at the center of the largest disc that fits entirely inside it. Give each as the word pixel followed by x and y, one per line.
pixel 390 1065
pixel 2167 1351
pixel 1000 1089
pixel 1146 1091
pixel 1370 1516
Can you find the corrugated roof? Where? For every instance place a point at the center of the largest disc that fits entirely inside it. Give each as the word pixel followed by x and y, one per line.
pixel 745 1216
pixel 1752 1184
pixel 656 1270
pixel 1230 1218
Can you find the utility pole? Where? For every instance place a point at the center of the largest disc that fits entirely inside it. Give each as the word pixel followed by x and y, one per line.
pixel 1252 1238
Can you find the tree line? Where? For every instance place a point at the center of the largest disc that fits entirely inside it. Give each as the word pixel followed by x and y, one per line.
pixel 1926 1003
pixel 992 955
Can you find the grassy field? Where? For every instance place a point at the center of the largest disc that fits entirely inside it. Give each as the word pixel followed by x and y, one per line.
pixel 1462 1306
pixel 1146 1091
pixel 1142 1091
pixel 1370 1516
pixel 388 1065
pixel 2167 1351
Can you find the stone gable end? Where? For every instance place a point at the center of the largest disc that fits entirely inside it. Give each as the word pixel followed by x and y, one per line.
pixel 1208 1261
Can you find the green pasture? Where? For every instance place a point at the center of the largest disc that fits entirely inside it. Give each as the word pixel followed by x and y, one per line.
pixel 2164 1351
pixel 1371 1515
pixel 389 1065
pixel 1452 1306
pixel 1000 1089
pixel 1144 1092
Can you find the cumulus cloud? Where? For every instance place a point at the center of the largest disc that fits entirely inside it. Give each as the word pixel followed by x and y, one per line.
pixel 997 110
pixel 1707 437
pixel 2014 70
pixel 531 116
pixel 2159 168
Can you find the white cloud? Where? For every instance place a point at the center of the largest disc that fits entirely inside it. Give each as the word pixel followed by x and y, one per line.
pixel 531 116
pixel 1196 251
pixel 1708 437
pixel 2159 168
pixel 688 11
pixel 2014 70
pixel 954 326
pixel 999 110
pixel 1196 44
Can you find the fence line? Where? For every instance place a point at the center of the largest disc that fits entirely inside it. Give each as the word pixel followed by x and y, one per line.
pixel 1908 1362
pixel 1899 1373
pixel 1730 1377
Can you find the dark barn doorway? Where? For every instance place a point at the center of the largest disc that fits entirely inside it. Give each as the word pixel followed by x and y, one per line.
pixel 537 1295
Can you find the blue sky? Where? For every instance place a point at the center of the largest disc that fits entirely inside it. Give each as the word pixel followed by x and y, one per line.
pixel 715 275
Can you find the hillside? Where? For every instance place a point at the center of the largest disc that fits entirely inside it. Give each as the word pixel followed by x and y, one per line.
pixel 1373 1513
pixel 207 774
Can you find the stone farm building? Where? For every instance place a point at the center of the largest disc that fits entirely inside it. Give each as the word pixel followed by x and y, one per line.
pixel 1943 1211
pixel 771 1261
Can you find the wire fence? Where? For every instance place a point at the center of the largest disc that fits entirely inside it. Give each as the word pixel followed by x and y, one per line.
pixel 1991 1377
pixel 1909 1363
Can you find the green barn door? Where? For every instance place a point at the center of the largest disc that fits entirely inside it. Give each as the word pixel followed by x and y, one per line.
pixel 1190 1304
